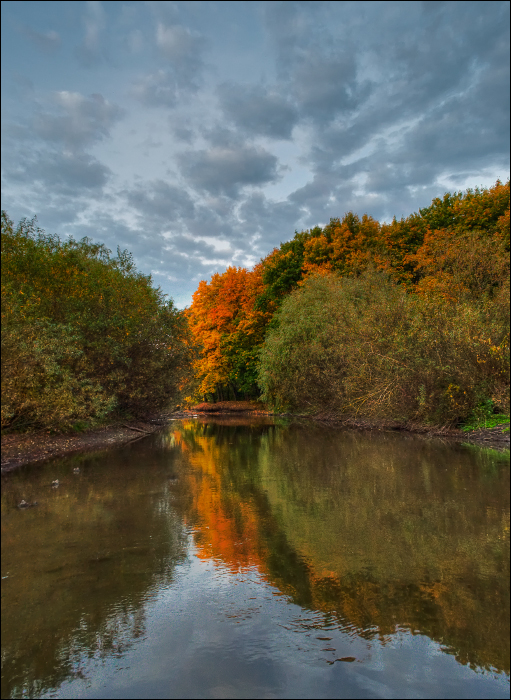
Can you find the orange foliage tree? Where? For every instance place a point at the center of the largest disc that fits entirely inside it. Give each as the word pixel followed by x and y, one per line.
pixel 229 327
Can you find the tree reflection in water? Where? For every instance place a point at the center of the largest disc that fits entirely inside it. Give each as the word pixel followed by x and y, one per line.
pixel 381 531
pixel 371 533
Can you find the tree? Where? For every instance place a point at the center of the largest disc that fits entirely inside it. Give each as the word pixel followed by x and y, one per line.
pixel 102 325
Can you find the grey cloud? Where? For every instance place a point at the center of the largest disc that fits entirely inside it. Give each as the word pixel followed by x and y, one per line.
pixel 158 199
pixel 191 246
pixel 177 42
pixel 226 170
pixel 218 136
pixel 183 133
pixel 73 174
pixel 258 110
pixel 85 119
pixel 269 222
pixel 45 41
pixel 325 86
pixel 183 48
pixel 69 173
pixel 316 192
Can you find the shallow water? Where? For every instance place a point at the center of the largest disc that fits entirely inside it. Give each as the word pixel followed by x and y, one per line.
pixel 222 559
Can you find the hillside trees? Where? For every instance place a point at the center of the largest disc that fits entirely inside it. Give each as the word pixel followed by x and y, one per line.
pixel 83 333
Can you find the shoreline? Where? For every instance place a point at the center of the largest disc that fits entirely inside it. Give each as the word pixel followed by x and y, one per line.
pixel 19 449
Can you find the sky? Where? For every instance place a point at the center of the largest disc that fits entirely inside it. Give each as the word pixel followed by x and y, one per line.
pixel 199 135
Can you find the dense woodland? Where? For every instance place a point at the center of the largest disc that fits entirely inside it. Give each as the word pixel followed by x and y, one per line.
pixel 407 320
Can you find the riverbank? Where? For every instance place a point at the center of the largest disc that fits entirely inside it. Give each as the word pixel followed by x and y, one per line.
pixel 19 449
pixel 496 437
pixel 22 448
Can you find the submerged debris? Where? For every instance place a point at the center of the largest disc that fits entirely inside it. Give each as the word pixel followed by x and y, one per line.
pixel 25 504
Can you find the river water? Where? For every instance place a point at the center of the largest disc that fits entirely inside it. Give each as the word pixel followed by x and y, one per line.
pixel 258 559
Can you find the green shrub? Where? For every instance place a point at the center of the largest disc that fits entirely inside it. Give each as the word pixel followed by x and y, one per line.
pixel 366 346
pixel 83 333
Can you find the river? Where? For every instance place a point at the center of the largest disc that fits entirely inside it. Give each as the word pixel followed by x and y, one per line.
pixel 258 558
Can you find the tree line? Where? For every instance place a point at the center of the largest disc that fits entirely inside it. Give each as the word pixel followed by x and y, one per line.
pixel 407 319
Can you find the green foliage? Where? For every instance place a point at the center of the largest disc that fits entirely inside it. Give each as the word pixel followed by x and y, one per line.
pixel 365 345
pixel 242 356
pixel 83 333
pixel 485 415
pixel 282 270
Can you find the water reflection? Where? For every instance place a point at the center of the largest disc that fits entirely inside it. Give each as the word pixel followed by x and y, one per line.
pixel 344 543
pixel 381 531
pixel 77 569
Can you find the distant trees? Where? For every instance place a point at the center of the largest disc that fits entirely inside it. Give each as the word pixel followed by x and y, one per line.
pixel 409 318
pixel 229 328
pixel 446 270
pixel 84 335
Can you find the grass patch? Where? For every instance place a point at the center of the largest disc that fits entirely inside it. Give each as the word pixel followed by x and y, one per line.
pixel 485 422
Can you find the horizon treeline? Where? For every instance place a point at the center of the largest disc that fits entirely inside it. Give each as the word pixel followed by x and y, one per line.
pixel 85 337
pixel 408 319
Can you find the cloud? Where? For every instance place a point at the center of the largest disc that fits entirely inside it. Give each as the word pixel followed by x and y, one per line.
pixel 84 121
pixel 159 89
pixel 69 173
pixel 224 170
pixel 176 42
pixel 159 199
pixel 323 87
pixel 180 58
pixel 183 48
pixel 90 53
pixel 48 42
pixel 269 222
pixel 258 110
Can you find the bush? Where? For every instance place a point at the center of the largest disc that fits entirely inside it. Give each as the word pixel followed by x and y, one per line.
pixel 83 333
pixel 366 346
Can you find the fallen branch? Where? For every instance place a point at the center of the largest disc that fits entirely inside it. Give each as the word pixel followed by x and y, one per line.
pixel 147 432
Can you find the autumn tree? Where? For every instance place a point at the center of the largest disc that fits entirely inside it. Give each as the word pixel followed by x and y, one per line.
pixel 83 333
pixel 229 326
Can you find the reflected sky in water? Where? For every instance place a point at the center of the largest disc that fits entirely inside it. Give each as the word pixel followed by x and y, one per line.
pixel 253 559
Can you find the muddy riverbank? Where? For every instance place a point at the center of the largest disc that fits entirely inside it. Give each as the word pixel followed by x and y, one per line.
pixel 22 448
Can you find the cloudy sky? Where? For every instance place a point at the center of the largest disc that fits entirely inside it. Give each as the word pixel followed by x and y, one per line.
pixel 202 134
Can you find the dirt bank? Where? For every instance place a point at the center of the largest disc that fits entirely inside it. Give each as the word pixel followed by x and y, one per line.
pixel 23 448
pixel 495 438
